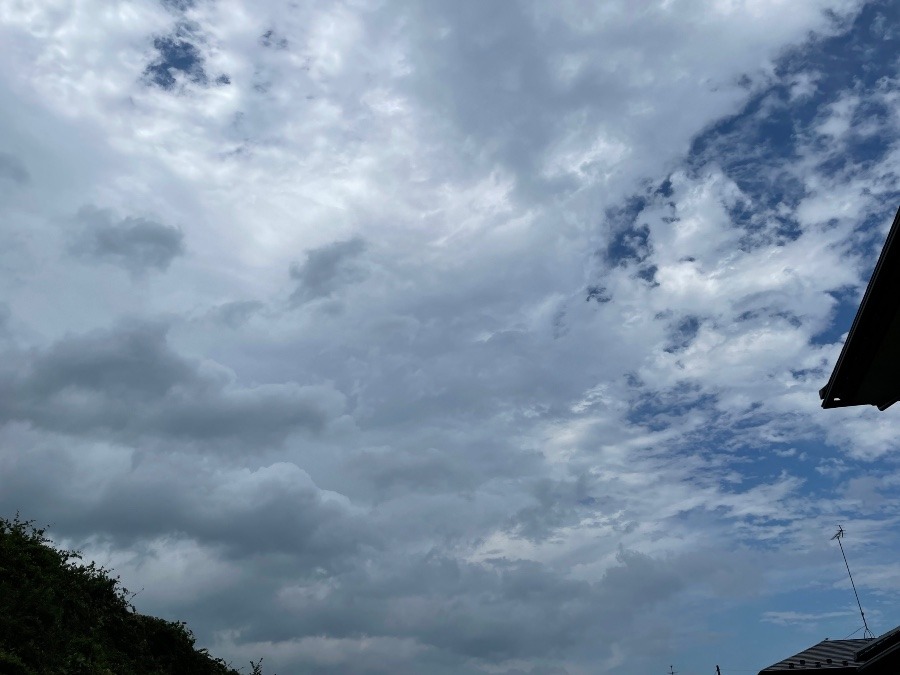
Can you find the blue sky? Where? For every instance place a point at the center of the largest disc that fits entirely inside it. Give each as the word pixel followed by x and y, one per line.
pixel 376 337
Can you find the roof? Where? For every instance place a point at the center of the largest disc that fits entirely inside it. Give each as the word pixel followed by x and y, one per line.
pixel 886 646
pixel 868 370
pixel 839 657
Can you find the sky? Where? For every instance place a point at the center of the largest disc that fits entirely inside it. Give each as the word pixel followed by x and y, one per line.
pixel 455 337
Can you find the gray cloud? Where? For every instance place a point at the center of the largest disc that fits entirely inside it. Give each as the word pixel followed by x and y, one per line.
pixel 326 269
pixel 469 617
pixel 501 438
pixel 235 314
pixel 178 6
pixel 127 383
pixel 5 317
pixel 556 504
pixel 274 509
pixel 135 244
pixel 12 169
pixel 272 40
pixel 407 470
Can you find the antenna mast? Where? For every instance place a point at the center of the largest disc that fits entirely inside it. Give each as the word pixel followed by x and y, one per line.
pixel 840 535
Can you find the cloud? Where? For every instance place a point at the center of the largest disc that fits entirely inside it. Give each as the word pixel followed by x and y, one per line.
pixel 783 190
pixel 804 618
pixel 432 606
pixel 435 606
pixel 271 39
pixel 12 169
pixel 469 468
pixel 236 313
pixel 135 244
pixel 178 6
pixel 243 514
pixel 273 553
pixel 326 269
pixel 128 383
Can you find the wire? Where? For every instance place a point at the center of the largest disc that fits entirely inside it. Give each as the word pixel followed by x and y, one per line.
pixel 839 536
pixel 854 633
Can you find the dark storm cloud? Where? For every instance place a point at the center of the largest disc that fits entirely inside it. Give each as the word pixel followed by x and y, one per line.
pixel 12 169
pixel 128 383
pixel 136 244
pixel 326 269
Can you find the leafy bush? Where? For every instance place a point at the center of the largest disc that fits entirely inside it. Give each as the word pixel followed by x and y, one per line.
pixel 60 617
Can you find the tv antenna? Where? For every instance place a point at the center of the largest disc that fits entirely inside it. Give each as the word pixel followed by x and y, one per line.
pixel 840 535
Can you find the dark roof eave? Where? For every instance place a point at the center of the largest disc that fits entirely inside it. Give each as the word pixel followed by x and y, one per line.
pixel 867 368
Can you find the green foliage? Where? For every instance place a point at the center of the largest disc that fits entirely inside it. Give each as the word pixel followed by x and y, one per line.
pixel 60 617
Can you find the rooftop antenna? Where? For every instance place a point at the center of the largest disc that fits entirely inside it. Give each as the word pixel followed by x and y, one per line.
pixel 840 535
pixel 672 671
